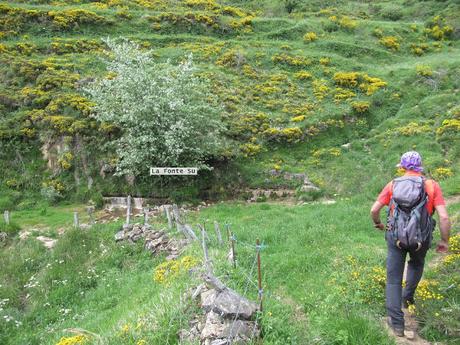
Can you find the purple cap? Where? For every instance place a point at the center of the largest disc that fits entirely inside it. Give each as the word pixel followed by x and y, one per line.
pixel 411 161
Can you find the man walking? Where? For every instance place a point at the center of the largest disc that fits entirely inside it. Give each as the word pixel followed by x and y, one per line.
pixel 412 200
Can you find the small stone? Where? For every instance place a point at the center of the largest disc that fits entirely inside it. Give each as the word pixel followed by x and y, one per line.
pixel 308 188
pixel 47 241
pixel 120 236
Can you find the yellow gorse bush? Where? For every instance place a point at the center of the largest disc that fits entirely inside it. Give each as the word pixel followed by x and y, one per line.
pixel 68 18
pixel 442 173
pixel 413 128
pixel 367 84
pixel 361 106
pixel 169 270
pixel 343 94
pixel 299 118
pixel 296 61
pixel 250 149
pixel 302 75
pixel 391 42
pixel 424 70
pixel 320 88
pixel 310 37
pixel 450 125
pixel 438 29
pixel 419 49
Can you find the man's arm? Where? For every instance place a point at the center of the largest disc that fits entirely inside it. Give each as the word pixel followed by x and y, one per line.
pixel 375 215
pixel 444 226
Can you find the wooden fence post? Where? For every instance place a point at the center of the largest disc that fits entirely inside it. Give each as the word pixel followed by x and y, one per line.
pixel 128 210
pixel 168 216
pixel 232 245
pixel 90 210
pixel 219 235
pixel 6 216
pixel 75 220
pixel 146 215
pixel 205 248
pixel 259 275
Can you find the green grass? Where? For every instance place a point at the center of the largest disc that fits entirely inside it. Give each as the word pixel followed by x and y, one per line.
pixel 310 257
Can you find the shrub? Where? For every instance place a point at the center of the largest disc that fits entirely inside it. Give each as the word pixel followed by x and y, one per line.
pixel 310 37
pixel 361 106
pixel 302 75
pixel 347 23
pixel 438 29
pixel 167 115
pixel 289 60
pixel 419 49
pixel 393 13
pixel 424 70
pixel 442 173
pixel 391 42
pixel 291 5
pixel 70 18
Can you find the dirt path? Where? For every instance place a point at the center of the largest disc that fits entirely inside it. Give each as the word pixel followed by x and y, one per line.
pixel 454 199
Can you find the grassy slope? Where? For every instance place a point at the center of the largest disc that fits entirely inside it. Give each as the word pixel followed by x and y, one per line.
pixel 322 270
pixel 257 84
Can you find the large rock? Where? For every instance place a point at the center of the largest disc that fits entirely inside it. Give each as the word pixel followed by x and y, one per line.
pixel 219 329
pixel 230 304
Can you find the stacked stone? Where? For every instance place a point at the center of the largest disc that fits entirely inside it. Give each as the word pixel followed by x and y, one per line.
pixel 155 241
pixel 228 318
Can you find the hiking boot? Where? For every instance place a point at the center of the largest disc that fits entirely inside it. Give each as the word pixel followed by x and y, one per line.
pixel 410 335
pixel 399 332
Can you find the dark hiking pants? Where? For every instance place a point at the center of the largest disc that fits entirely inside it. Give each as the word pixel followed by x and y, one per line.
pixel 395 295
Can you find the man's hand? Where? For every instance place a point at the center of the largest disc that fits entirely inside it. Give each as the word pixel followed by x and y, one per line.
pixel 380 226
pixel 375 215
pixel 442 246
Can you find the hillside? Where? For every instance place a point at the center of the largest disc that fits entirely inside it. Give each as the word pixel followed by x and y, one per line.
pixel 334 91
pixel 295 87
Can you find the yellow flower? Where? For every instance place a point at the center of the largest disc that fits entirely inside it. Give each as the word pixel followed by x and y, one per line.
pixel 75 340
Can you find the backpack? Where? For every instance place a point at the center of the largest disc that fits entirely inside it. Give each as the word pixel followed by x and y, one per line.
pixel 409 223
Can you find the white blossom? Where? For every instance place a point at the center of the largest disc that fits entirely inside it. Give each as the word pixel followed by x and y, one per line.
pixel 163 111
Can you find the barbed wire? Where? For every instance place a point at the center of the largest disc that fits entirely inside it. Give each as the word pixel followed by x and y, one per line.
pixel 230 335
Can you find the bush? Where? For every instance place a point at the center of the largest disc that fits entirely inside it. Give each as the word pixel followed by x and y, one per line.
pixel 167 115
pixel 291 5
pixel 392 13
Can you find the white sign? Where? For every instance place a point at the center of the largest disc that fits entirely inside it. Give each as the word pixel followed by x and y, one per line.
pixel 173 171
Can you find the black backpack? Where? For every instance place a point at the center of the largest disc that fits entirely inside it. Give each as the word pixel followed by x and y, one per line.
pixel 409 223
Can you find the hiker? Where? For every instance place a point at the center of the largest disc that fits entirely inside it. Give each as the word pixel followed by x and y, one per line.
pixel 411 200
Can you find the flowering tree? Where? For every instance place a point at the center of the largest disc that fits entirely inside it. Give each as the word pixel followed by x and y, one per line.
pixel 166 114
